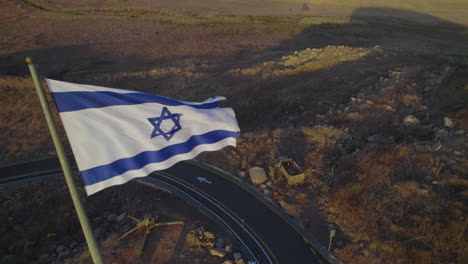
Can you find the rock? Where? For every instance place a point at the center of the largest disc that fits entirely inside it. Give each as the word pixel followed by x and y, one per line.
pixel 388 108
pixel 60 249
pixel 242 173
pixel 257 175
pixel 410 121
pixel 441 134
pixel 209 235
pixel 436 147
pixel 121 217
pixel 271 171
pixel 237 256
pixel 448 122
pixel 228 248
pixel 451 162
pixel 73 244
pixel 320 118
pixel 423 108
pixel 219 243
pixel 269 184
pixel 111 217
pixel 28 252
pixel 218 252
pixel 263 186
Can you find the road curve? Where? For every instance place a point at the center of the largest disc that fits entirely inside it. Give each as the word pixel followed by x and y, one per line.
pixel 265 233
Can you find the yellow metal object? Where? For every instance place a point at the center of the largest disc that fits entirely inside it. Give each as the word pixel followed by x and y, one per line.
pixel 290 171
pixel 149 222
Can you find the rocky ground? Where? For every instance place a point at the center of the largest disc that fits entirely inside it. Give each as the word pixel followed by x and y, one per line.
pixel 398 138
pixel 372 108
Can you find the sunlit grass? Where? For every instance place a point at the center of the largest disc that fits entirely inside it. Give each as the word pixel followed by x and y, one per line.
pixel 304 61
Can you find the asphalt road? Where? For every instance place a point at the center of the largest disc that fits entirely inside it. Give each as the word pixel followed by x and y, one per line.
pixel 267 234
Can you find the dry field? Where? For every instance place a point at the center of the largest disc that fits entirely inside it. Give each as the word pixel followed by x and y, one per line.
pixel 355 91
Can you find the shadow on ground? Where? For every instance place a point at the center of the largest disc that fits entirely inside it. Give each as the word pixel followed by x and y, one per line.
pixel 269 101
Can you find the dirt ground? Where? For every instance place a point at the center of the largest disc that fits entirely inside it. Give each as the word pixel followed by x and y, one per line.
pixel 328 83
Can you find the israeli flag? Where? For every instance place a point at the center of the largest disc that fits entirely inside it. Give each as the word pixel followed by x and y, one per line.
pixel 117 135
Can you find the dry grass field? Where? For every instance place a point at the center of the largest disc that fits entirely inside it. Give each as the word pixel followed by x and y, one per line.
pixel 357 92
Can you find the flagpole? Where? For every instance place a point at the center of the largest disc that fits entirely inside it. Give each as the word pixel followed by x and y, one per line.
pixel 85 226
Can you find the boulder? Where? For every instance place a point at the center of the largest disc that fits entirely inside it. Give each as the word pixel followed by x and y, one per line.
pixel 436 147
pixel 228 248
pixel 218 252
pixel 441 134
pixel 451 162
pixel 410 121
pixel 448 122
pixel 111 217
pixel 423 108
pixel 121 217
pixel 60 249
pixel 242 173
pixel 257 175
pixel 209 235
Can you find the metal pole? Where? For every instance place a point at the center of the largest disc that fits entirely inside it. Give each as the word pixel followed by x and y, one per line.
pixel 332 234
pixel 85 226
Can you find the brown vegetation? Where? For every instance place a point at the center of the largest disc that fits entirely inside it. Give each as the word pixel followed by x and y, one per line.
pixel 331 93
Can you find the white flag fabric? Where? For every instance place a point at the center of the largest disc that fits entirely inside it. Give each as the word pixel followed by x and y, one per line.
pixel 117 135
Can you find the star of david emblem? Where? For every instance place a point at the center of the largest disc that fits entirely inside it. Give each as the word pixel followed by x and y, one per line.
pixel 162 124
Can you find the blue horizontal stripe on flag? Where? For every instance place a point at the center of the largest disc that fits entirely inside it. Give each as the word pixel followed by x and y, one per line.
pixel 74 101
pixel 118 167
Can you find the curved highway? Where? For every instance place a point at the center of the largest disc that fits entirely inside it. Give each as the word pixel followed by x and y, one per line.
pixel 263 230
